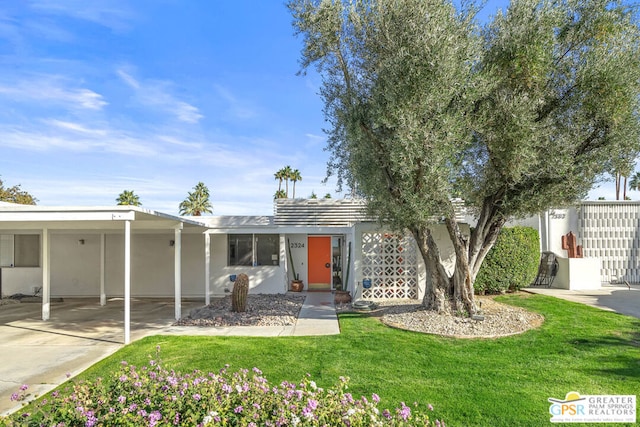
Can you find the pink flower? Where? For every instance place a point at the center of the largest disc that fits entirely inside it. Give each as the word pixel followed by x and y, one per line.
pixel 405 411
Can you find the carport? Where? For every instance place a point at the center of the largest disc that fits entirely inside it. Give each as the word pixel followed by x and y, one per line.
pixel 125 221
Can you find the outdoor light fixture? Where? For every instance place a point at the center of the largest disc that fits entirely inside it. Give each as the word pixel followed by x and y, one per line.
pixel 172 242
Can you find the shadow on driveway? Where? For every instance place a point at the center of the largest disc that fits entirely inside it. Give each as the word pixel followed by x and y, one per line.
pixel 42 354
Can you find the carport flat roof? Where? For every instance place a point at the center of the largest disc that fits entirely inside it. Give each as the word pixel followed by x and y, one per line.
pixel 75 217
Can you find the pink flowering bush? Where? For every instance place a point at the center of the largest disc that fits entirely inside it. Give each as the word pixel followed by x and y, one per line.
pixel 155 396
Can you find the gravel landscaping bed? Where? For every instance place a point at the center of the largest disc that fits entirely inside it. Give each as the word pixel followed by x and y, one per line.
pixel 499 319
pixel 282 310
pixel 262 310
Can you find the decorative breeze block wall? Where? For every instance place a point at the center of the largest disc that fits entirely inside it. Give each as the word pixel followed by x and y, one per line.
pixel 390 261
pixel 611 232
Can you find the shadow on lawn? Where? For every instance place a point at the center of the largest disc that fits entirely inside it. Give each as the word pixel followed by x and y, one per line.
pixel 619 352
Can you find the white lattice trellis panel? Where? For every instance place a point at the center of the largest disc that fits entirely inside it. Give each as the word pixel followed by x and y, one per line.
pixel 390 261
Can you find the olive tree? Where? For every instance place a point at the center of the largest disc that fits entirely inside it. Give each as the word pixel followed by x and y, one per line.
pixel 514 116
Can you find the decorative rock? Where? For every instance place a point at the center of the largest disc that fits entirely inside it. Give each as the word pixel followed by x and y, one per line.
pixel 499 319
pixel 262 310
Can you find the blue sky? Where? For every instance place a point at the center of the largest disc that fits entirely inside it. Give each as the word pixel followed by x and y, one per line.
pixel 154 96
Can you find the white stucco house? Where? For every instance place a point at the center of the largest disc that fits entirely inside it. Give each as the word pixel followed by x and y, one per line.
pixel 125 251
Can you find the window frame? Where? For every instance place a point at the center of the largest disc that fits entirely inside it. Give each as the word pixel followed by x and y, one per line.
pixel 256 259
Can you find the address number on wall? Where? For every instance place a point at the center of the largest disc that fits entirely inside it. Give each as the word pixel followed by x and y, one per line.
pixel 297 245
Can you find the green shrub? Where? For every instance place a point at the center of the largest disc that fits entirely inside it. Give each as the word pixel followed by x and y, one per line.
pixel 512 263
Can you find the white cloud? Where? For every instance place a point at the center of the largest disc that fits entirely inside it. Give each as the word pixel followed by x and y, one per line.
pixel 113 14
pixel 237 108
pixel 54 90
pixel 156 94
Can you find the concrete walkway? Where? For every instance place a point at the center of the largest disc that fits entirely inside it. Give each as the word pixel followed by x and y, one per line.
pixel 618 298
pixel 80 333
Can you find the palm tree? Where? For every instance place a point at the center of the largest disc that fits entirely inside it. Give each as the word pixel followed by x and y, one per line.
pixel 280 194
pixel 621 170
pixel 634 182
pixel 128 198
pixel 197 202
pixel 286 174
pixel 295 177
pixel 279 176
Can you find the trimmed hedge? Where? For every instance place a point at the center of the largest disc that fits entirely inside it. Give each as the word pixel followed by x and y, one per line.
pixel 512 263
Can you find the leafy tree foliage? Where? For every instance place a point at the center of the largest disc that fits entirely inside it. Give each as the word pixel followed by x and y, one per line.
pixel 524 113
pixel 16 194
pixel 128 198
pixel 197 201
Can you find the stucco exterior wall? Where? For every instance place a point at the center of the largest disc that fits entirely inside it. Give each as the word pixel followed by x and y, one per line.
pixel 20 280
pixel 75 267
pixel 262 279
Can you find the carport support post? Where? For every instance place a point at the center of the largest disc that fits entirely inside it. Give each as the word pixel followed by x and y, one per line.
pixel 127 282
pixel 178 271
pixel 207 268
pixel 103 296
pixel 46 276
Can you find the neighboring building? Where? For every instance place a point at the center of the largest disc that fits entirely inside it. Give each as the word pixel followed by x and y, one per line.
pixel 607 230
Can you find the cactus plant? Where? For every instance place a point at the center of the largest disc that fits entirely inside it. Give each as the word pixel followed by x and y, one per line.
pixel 239 293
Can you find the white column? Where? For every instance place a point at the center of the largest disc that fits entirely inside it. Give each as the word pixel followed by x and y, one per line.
pixel 46 275
pixel 103 254
pixel 127 282
pixel 207 268
pixel 178 271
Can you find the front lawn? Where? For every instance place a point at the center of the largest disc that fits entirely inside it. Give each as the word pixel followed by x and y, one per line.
pixel 496 382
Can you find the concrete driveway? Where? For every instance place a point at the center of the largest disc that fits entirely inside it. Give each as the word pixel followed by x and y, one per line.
pixel 79 333
pixel 618 298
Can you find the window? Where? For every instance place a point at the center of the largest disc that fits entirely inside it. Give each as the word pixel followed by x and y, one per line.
pixel 240 249
pixel 254 249
pixel 26 250
pixel 19 250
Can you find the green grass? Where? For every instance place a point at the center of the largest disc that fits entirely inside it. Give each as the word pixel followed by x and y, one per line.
pixel 493 382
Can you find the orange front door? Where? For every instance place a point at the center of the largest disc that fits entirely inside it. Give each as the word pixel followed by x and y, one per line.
pixel 319 248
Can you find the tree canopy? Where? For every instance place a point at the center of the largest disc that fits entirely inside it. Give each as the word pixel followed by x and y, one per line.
pixel 197 201
pixel 286 174
pixel 517 115
pixel 128 198
pixel 16 194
